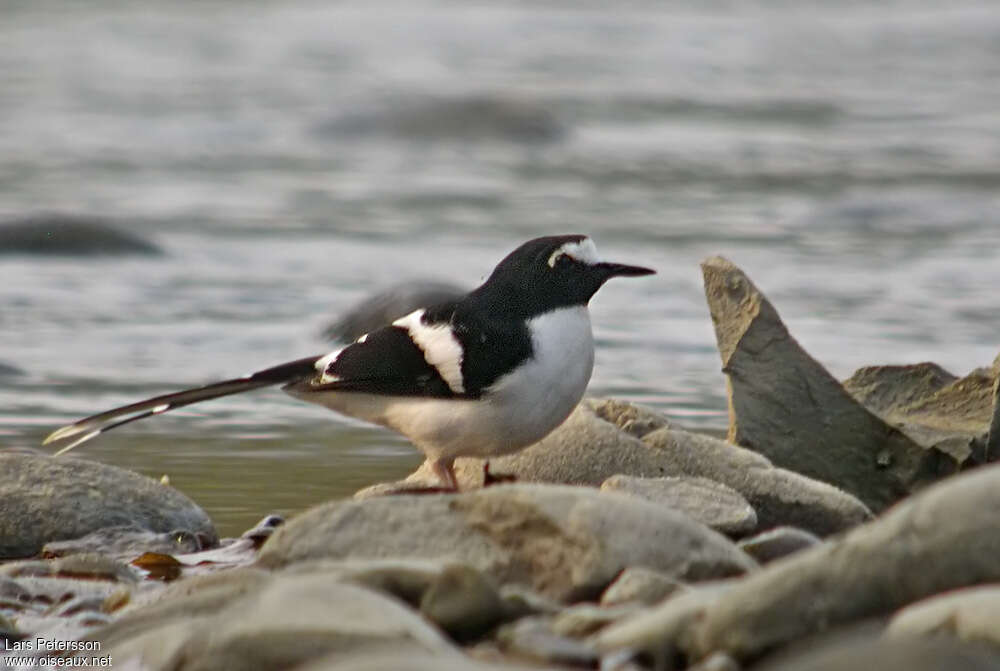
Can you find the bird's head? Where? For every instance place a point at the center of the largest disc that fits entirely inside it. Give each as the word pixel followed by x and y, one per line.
pixel 552 272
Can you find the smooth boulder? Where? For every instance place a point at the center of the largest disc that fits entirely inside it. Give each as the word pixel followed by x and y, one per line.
pixel 275 623
pixel 45 499
pixel 779 497
pixel 70 235
pixel 712 503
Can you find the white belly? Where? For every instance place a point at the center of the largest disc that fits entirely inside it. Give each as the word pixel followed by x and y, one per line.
pixel 519 409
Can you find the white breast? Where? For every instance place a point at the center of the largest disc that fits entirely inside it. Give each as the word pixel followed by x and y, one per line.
pixel 536 397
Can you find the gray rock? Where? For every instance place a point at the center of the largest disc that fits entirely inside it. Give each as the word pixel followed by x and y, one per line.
pixel 409 658
pixel 283 621
pixel 943 538
pixel 72 235
pixel 455 118
pixel 567 543
pixel 931 406
pixel 196 596
pixel 717 661
pixel 584 619
pixel 127 542
pixel 405 578
pixel 584 450
pixel 777 543
pixel 991 450
pixel 533 638
pixel 971 615
pixel 883 389
pixel 713 504
pixel 44 500
pixel 63 598
pixel 634 419
pixel 10 370
pixel 521 601
pixel 786 406
pixel 7 629
pixel 661 631
pixel 587 449
pixel 640 585
pixel 90 566
pixel 462 602
pixel 779 497
pixel 388 305
pixel 887 655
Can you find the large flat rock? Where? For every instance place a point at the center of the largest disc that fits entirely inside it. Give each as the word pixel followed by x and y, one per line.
pixel 567 543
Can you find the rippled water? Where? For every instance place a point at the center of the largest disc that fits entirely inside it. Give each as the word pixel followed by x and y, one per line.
pixel 292 157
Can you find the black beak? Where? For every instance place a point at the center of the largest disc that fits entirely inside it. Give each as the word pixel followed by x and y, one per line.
pixel 621 270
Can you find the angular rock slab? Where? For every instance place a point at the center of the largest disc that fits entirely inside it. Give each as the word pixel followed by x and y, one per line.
pixel 785 405
pixel 930 405
pixel 943 538
pixel 44 499
pixel 567 543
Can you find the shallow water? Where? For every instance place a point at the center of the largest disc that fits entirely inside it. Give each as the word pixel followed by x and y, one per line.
pixel 292 157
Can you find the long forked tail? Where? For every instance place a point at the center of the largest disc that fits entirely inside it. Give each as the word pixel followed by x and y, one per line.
pixel 89 427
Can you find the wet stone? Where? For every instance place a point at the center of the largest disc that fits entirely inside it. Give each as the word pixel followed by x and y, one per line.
pixel 713 504
pixel 48 499
pixel 777 543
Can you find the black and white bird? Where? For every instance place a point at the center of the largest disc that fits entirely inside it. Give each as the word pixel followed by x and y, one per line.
pixel 484 375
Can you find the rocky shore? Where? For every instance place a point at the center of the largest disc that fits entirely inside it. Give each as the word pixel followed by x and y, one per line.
pixel 839 524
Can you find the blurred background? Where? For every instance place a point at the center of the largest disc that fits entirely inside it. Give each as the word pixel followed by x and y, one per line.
pixel 290 158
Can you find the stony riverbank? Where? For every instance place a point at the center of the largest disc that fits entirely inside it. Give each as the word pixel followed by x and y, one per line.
pixel 835 526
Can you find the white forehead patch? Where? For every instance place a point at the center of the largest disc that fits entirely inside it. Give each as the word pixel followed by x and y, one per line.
pixel 584 251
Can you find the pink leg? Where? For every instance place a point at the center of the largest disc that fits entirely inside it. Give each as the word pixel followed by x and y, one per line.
pixel 443 469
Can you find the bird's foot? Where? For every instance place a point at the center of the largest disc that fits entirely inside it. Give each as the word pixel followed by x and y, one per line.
pixel 490 479
pixel 444 469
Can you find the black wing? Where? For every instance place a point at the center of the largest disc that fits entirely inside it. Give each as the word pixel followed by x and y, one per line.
pixel 446 351
pixel 387 361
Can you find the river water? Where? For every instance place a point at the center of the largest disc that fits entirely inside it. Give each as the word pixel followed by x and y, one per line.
pixel 290 158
